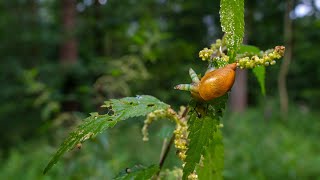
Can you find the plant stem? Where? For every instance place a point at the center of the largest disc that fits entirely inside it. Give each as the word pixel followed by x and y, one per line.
pixel 165 150
pixel 167 146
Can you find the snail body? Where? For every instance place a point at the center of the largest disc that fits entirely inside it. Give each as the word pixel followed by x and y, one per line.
pixel 217 82
pixel 212 85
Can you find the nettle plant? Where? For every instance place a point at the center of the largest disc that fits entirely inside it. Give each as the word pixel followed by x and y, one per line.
pixel 197 136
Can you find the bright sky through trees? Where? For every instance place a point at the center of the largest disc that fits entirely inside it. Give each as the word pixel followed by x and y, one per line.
pixel 305 8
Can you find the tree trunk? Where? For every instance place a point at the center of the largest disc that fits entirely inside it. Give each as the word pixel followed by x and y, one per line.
pixel 69 44
pixel 238 97
pixel 282 79
pixel 98 30
pixel 69 52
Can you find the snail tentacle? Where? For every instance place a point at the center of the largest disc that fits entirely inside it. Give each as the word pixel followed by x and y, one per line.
pixel 186 87
pixel 194 76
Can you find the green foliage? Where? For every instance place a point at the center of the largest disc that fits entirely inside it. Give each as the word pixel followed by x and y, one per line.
pixel 248 49
pixel 135 42
pixel 232 23
pixel 266 148
pixel 204 117
pixel 138 172
pixel 200 133
pixel 89 128
pixel 129 107
pixel 121 109
pixel 203 138
pixel 260 73
pixel 213 163
pixel 201 129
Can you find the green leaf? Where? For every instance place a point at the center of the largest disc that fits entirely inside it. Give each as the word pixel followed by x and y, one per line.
pixel 213 161
pixel 90 128
pixel 217 106
pixel 260 73
pixel 232 23
pixel 138 172
pixel 121 109
pixel 248 49
pixel 135 106
pixel 200 132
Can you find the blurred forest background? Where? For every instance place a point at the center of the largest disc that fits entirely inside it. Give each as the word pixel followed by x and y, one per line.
pixel 61 59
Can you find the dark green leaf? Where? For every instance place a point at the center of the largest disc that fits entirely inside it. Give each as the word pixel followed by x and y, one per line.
pixel 90 128
pixel 213 161
pixel 200 132
pixel 248 49
pixel 138 172
pixel 218 104
pixel 232 23
pixel 122 109
pixel 135 106
pixel 260 73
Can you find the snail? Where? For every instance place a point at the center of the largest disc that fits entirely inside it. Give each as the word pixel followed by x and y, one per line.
pixel 213 84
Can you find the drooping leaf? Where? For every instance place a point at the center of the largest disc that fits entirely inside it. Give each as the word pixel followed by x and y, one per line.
pixel 138 172
pixel 200 132
pixel 232 23
pixel 260 73
pixel 248 49
pixel 88 129
pixel 213 162
pixel 121 109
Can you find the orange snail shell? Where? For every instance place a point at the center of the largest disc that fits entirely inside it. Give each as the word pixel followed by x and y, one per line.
pixel 217 82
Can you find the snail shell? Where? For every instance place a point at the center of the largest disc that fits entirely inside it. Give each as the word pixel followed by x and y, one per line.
pixel 217 82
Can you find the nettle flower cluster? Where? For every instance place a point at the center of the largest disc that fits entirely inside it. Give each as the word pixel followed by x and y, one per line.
pixel 215 54
pixel 215 50
pixel 266 58
pixel 180 131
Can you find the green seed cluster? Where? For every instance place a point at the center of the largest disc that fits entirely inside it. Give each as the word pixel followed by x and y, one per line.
pixel 269 57
pixel 193 176
pixel 217 45
pixel 181 133
pixel 153 116
pixel 225 58
pixel 181 141
pixel 207 53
